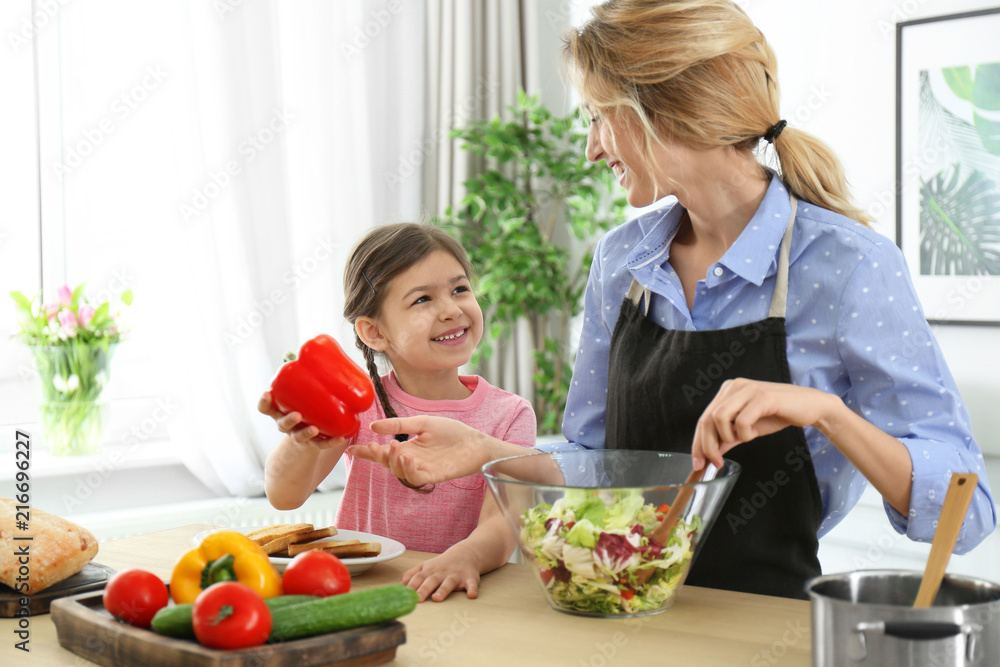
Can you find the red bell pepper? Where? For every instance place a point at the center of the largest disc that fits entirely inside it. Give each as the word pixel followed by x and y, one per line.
pixel 325 387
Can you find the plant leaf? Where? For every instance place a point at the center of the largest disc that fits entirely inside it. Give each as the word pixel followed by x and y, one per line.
pixel 959 225
pixel 959 79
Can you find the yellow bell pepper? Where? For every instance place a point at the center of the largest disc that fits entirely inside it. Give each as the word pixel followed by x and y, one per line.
pixel 224 556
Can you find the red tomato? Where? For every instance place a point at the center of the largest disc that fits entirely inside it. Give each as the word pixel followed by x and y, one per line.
pixel 230 615
pixel 316 573
pixel 628 594
pixel 134 596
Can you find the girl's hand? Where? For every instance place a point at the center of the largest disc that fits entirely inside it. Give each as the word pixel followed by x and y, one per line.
pixel 439 576
pixel 439 449
pixel 746 409
pixel 291 424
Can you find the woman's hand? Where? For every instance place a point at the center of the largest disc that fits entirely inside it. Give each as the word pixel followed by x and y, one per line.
pixel 439 576
pixel 299 433
pixel 439 449
pixel 746 409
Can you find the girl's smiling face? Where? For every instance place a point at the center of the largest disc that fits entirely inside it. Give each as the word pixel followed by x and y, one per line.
pixel 429 320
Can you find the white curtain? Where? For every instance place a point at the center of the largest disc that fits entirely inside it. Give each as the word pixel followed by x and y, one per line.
pixel 479 54
pixel 475 67
pixel 332 98
pixel 223 157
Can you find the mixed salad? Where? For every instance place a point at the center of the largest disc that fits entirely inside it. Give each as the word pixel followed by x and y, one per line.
pixel 590 545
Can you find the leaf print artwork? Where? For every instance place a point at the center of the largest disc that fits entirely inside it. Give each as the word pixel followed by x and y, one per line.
pixel 959 225
pixel 959 192
pixel 983 91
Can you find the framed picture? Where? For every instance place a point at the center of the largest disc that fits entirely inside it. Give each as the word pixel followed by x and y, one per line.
pixel 948 163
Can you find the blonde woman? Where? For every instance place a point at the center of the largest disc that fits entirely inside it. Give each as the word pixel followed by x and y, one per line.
pixel 759 317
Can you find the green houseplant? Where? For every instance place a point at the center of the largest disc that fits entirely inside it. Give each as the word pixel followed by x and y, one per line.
pixel 535 194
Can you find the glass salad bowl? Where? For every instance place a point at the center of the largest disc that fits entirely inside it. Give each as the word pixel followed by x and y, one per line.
pixel 584 521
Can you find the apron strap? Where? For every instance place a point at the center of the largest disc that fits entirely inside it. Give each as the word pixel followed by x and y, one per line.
pixel 636 292
pixel 780 298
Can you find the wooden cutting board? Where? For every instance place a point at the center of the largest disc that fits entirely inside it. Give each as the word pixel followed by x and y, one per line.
pixel 93 576
pixel 85 628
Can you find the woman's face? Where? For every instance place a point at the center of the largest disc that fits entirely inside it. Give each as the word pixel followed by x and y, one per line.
pixel 621 145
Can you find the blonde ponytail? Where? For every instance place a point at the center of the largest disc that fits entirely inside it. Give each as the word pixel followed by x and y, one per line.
pixel 700 73
pixel 811 170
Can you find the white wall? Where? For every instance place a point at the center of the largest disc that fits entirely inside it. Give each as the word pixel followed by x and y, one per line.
pixel 837 70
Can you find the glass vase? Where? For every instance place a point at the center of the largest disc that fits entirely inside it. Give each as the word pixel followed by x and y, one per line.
pixel 73 377
pixel 73 428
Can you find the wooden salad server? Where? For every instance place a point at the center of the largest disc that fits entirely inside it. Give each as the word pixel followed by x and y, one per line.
pixel 661 533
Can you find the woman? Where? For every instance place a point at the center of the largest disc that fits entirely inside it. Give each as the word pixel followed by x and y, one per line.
pixel 758 318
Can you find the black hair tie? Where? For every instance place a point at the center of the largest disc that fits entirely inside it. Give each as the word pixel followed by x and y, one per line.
pixel 772 134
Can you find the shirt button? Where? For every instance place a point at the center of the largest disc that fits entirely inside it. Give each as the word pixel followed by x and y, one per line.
pixel 718 271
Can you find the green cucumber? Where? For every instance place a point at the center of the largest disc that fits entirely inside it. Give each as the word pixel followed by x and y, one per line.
pixel 340 612
pixel 175 620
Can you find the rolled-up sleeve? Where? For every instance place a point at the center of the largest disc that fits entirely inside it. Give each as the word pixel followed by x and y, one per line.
pixel 900 382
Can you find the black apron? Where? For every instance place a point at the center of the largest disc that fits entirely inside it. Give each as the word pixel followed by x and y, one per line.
pixel 659 383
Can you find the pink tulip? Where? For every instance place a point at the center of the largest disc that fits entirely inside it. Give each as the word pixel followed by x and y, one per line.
pixel 86 314
pixel 67 319
pixel 65 295
pixel 50 311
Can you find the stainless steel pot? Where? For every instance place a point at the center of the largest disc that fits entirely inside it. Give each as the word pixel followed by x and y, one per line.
pixel 867 617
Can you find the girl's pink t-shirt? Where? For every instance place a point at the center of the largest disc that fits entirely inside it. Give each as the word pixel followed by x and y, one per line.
pixel 374 501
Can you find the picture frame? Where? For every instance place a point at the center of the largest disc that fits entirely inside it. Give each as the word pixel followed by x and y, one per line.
pixel 948 163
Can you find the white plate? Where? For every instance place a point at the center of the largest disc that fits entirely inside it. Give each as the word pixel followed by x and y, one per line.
pixel 390 549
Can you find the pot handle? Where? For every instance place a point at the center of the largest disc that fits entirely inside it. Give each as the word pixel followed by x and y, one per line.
pixel 920 631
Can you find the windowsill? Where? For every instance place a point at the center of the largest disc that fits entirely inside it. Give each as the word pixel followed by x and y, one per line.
pixel 109 458
pixel 133 437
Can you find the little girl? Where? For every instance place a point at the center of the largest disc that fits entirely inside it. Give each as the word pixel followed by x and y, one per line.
pixel 408 294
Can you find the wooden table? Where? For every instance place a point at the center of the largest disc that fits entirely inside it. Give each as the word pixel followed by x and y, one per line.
pixel 511 623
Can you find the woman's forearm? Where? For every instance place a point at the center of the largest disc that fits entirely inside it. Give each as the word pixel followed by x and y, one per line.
pixel 880 457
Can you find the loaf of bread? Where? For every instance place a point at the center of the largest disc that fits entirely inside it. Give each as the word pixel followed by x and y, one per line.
pixel 57 550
